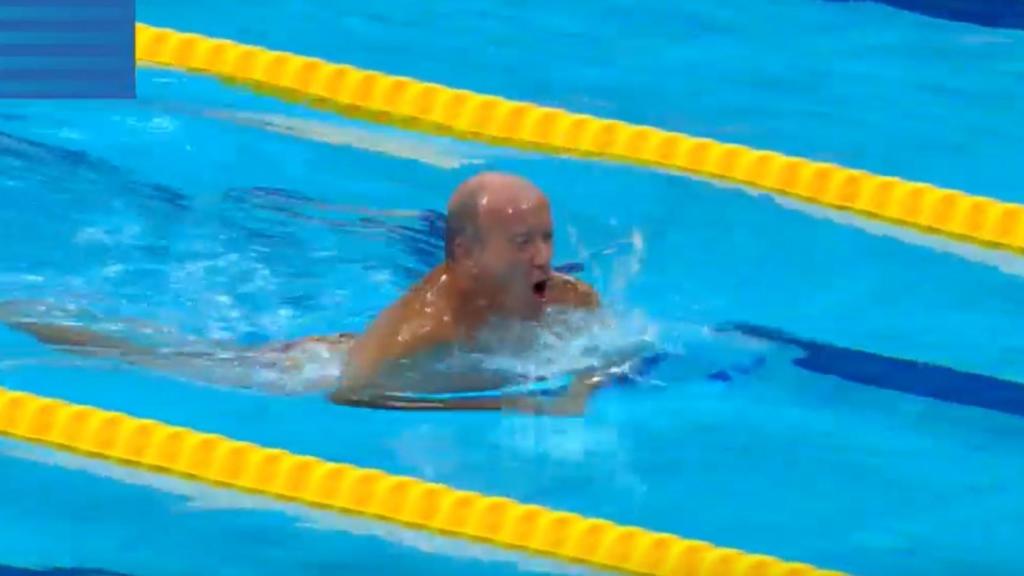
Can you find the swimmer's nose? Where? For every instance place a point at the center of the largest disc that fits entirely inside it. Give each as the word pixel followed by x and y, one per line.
pixel 542 256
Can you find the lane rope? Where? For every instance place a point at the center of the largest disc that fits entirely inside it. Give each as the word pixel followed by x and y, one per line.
pixel 430 107
pixel 403 500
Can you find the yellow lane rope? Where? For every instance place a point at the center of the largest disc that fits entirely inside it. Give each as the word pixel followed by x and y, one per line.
pixel 409 501
pixel 435 108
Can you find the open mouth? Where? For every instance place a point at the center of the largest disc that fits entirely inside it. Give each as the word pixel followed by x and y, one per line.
pixel 540 289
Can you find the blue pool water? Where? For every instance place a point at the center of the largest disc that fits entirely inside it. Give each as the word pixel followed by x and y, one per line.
pixel 197 208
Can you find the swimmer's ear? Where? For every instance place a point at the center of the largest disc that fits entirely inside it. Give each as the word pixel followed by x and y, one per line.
pixel 464 248
pixel 460 249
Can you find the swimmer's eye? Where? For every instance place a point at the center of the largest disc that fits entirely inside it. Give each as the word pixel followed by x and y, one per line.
pixel 524 240
pixel 521 240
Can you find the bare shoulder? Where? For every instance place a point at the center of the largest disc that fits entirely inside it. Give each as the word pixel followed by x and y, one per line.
pixel 569 291
pixel 415 323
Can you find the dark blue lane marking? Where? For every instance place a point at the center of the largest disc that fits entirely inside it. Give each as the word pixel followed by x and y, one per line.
pixel 18 571
pixel 899 374
pixel 989 13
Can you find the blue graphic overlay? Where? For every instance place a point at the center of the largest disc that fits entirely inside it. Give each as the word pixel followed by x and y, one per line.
pixel 67 49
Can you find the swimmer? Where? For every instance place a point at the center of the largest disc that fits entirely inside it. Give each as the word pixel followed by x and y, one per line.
pixel 495 285
pixel 498 248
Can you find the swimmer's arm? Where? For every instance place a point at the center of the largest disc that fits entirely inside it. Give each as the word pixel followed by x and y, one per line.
pixel 572 403
pixel 386 343
pixel 578 294
pixel 394 402
pixel 81 340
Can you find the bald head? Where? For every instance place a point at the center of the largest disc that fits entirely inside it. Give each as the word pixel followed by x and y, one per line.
pixel 483 199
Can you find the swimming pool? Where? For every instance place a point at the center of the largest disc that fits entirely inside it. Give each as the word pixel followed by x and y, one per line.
pixel 191 209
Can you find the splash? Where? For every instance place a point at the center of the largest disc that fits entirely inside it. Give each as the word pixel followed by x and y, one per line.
pixel 567 342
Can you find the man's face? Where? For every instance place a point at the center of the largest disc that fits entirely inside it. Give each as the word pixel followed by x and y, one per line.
pixel 513 259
